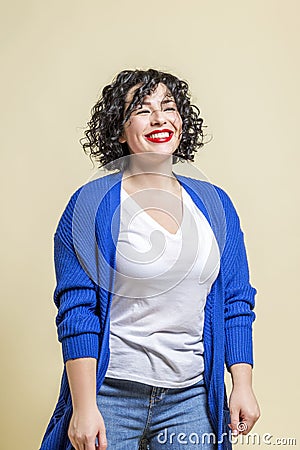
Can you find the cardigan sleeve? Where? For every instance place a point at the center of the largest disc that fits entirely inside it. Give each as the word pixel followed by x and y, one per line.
pixel 238 310
pixel 239 295
pixel 75 296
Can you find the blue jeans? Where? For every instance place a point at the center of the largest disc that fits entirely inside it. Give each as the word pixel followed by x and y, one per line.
pixel 139 417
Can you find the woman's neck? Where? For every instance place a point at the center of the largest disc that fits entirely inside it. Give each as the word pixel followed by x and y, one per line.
pixel 150 170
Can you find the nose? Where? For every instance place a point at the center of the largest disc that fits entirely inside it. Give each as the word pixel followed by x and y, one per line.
pixel 157 117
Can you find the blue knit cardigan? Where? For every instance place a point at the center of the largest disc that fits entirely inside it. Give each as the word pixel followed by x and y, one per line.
pixel 84 255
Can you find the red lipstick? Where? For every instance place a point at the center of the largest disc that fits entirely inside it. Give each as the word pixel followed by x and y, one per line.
pixel 159 136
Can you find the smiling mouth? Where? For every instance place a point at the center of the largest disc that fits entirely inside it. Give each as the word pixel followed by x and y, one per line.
pixel 159 136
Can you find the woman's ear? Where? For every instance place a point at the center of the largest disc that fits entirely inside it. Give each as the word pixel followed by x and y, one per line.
pixel 122 139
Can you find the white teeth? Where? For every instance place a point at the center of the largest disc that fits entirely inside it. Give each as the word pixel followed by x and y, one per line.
pixel 159 135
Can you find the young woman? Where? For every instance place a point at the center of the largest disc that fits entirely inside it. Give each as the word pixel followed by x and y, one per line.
pixel 153 290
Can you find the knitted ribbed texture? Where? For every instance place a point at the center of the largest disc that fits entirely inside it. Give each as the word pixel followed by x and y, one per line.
pixel 78 325
pixel 84 255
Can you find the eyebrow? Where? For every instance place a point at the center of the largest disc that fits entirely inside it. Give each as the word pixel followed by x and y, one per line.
pixel 169 100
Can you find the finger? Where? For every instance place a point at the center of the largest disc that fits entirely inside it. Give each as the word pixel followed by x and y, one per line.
pixel 250 422
pixel 89 444
pixel 102 441
pixel 80 445
pixel 101 436
pixel 234 420
pixel 75 446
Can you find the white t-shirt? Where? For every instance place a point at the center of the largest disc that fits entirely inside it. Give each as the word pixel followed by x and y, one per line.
pixel 161 285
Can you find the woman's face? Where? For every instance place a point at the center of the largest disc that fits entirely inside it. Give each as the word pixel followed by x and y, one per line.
pixel 155 126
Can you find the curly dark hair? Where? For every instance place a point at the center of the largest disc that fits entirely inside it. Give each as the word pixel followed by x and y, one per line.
pixel 101 141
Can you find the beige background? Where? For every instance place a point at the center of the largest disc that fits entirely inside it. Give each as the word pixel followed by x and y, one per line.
pixel 241 59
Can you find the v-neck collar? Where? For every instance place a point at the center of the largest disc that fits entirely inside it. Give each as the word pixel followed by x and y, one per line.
pixel 152 220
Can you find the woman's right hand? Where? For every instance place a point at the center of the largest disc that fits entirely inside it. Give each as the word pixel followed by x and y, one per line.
pixel 85 426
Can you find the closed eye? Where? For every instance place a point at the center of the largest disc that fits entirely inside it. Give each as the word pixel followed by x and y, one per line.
pixel 143 111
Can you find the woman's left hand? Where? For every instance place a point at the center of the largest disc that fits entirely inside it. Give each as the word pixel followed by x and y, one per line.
pixel 244 409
